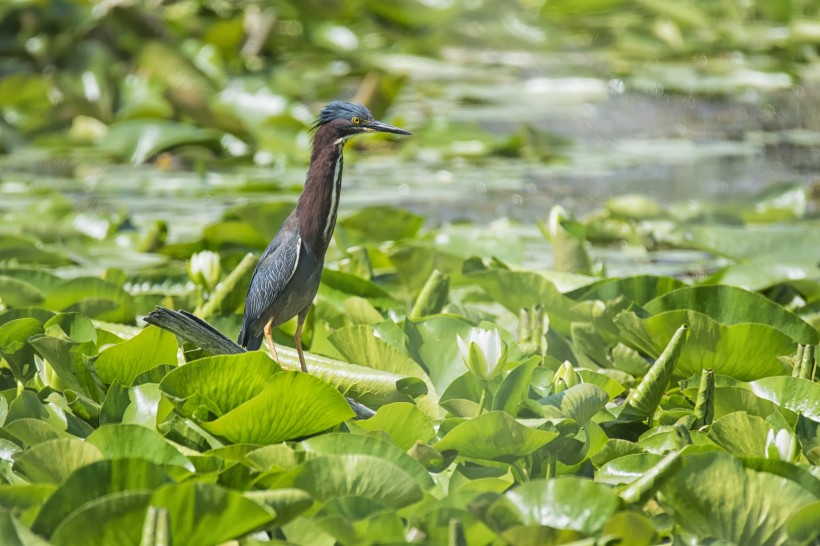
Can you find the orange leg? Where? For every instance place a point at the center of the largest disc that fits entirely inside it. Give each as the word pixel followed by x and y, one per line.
pixel 298 340
pixel 269 339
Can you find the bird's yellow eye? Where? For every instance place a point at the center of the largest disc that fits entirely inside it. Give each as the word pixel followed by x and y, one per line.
pixel 356 121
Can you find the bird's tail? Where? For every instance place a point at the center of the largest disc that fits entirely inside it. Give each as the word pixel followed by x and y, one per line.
pixel 194 330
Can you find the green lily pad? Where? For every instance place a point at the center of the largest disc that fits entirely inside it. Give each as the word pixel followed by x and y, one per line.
pixel 292 405
pixel 579 402
pixel 494 436
pixel 347 444
pixel 405 423
pixel 731 305
pixel 118 441
pixel 92 482
pixel 627 468
pixel 125 361
pixel 219 383
pixel 93 297
pixel 794 393
pixel 116 518
pixel 744 351
pixel 749 507
pixel 53 461
pixel 205 513
pixel 563 503
pixel 335 476
pixel 518 290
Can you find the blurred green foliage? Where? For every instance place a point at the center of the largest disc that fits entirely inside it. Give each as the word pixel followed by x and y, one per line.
pixel 142 76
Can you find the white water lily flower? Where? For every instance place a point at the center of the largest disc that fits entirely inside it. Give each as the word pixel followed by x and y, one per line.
pixel 782 446
pixel 204 269
pixel 483 352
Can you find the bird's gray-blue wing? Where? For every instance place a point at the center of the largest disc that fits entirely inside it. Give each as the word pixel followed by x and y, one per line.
pixel 273 272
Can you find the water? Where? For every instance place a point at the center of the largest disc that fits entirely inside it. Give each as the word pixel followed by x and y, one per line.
pixel 670 147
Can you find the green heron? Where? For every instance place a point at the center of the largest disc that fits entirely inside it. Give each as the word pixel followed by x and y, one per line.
pixel 287 276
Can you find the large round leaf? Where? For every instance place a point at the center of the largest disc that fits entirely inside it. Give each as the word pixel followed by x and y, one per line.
pixel 744 351
pixel 518 290
pixel 125 361
pixel 349 444
pixel 54 460
pixel 638 289
pixel 405 423
pixel 741 434
pixel 713 495
pixel 94 297
pixel 292 405
pixel 793 393
pixel 563 503
pixel 219 383
pixel 731 305
pixel 122 441
pixel 494 436
pixel 432 341
pixel 112 519
pixel 335 476
pixel 207 514
pixel 93 481
pixel 626 469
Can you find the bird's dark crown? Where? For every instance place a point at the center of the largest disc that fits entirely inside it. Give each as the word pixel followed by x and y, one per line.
pixel 342 110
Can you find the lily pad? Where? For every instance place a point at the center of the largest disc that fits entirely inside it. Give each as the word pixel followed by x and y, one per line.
pixel 125 361
pixel 292 405
pixel 494 436
pixel 749 507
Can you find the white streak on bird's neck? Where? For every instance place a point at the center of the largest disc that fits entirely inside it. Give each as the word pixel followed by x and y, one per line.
pixel 334 198
pixel 296 261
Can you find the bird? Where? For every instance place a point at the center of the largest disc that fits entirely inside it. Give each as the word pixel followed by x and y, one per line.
pixel 287 275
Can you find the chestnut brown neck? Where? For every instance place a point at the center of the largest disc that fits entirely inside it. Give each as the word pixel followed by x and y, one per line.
pixel 319 202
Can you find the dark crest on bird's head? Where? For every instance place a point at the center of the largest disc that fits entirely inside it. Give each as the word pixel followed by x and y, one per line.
pixel 342 110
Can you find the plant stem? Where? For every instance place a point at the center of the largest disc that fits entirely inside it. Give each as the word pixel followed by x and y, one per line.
pixel 551 463
pixel 518 473
pixel 482 401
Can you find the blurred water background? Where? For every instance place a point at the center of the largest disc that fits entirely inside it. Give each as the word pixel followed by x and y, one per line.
pixel 138 111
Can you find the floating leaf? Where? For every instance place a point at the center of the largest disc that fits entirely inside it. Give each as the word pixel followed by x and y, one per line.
pixel 794 393
pixel 122 441
pixel 205 513
pixel 494 436
pixel 93 297
pixel 335 476
pixel 744 351
pixel 94 481
pixel 346 444
pixel 116 518
pixel 405 423
pixel 125 361
pixel 219 383
pixel 730 305
pixel 292 405
pixel 53 461
pixel 749 507
pixel 563 503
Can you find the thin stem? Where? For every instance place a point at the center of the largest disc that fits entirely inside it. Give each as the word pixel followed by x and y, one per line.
pixel 518 473
pixel 483 400
pixel 552 461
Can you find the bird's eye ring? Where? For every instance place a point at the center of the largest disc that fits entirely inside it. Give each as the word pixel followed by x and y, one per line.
pixel 356 121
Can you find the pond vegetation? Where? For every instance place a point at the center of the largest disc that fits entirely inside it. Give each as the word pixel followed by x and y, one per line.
pixel 583 299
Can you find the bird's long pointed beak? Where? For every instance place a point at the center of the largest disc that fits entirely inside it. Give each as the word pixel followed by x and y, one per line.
pixel 380 127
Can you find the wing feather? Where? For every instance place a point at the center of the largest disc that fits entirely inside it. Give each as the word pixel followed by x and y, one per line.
pixel 273 272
